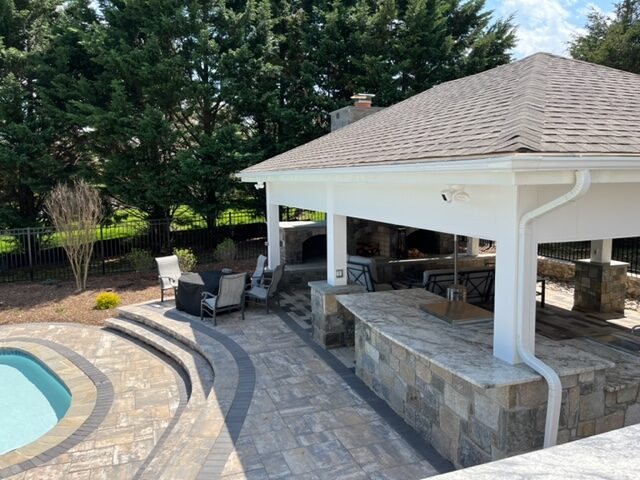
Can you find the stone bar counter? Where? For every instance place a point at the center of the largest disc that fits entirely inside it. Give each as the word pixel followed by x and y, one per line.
pixel 445 382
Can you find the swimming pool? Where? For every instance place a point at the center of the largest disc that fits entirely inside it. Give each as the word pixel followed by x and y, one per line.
pixel 32 399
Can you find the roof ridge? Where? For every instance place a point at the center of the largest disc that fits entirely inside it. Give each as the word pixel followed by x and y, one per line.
pixel 583 62
pixel 525 118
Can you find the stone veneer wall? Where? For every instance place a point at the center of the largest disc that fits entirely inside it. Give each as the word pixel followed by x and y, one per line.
pixel 328 326
pixel 561 270
pixel 470 425
pixel 565 271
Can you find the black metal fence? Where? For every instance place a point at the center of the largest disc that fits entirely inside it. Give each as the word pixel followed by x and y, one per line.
pixel 37 253
pixel 624 250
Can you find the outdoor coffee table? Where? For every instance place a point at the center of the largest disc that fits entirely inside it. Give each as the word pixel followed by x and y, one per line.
pixel 190 288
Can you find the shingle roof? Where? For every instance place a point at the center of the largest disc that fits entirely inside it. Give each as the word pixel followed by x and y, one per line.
pixel 542 103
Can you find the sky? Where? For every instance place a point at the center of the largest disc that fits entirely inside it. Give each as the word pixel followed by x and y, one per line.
pixel 547 25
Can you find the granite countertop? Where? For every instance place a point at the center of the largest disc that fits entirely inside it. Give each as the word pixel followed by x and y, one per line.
pixel 465 350
pixel 627 366
pixel 609 456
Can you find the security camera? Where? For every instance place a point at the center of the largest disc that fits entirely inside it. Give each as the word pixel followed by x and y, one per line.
pixel 455 193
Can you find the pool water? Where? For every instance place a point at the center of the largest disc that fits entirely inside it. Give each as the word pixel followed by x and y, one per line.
pixel 32 399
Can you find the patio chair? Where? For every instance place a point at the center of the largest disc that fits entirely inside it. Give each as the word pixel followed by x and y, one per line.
pixel 168 274
pixel 268 288
pixel 231 292
pixel 258 274
pixel 363 271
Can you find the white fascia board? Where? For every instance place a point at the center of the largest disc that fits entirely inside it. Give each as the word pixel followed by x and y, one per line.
pixel 519 169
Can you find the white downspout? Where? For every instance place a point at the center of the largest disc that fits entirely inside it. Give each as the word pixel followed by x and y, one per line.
pixel 527 350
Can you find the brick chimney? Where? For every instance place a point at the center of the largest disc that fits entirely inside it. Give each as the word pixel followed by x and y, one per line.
pixel 361 108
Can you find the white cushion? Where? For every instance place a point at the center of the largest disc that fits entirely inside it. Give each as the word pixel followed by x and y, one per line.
pixel 210 302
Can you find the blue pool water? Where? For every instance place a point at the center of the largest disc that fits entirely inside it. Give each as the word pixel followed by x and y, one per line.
pixel 32 399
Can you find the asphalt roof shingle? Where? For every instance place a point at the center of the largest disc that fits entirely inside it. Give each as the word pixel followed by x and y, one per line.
pixel 542 103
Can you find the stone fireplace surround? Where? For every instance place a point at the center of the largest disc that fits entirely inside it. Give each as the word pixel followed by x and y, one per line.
pixel 364 237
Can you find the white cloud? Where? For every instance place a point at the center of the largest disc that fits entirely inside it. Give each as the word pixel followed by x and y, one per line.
pixel 543 25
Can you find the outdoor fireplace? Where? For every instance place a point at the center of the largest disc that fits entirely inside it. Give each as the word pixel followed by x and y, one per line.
pixel 425 242
pixel 314 249
pixel 302 242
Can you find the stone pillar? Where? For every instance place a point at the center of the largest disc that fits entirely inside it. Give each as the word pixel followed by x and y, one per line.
pixel 600 287
pixel 328 327
pixel 273 233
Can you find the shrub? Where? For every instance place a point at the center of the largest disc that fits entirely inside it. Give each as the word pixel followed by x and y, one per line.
pixel 186 258
pixel 226 251
pixel 140 260
pixel 107 300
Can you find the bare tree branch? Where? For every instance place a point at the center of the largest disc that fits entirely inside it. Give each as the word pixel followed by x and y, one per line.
pixel 76 212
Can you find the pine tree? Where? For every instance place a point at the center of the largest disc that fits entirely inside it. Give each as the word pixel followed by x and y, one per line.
pixel 138 46
pixel 42 141
pixel 612 42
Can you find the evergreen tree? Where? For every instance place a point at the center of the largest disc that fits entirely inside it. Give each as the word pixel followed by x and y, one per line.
pixel 138 46
pixel 42 140
pixel 615 42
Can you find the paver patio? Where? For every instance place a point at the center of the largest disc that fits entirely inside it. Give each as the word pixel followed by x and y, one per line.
pixel 305 416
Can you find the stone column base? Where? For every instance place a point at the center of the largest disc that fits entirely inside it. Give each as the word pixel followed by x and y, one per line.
pixel 327 325
pixel 600 287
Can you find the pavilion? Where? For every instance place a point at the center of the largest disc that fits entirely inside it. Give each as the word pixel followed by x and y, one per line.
pixel 547 149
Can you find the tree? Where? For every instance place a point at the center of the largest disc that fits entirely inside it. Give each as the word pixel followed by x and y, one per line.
pixel 75 212
pixel 41 139
pixel 612 42
pixel 137 47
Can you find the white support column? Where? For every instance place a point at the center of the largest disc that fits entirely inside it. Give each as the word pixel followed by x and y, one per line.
pixel 601 250
pixel 473 246
pixel 336 249
pixel 273 232
pixel 504 316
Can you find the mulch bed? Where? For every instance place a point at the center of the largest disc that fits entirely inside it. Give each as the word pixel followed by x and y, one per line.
pixel 27 302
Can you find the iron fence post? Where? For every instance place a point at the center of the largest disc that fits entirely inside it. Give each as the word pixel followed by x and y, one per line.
pixel 104 268
pixel 29 253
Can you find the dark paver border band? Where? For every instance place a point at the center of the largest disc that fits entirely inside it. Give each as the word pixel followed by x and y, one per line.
pixel 413 438
pixel 104 400
pixel 217 457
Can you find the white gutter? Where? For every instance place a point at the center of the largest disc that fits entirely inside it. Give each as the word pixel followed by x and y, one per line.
pixel 513 162
pixel 525 349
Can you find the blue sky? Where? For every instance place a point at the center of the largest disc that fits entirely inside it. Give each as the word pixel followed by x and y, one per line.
pixel 547 25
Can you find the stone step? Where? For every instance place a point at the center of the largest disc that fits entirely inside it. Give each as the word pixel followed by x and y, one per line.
pixel 202 433
pixel 185 437
pixel 201 375
pixel 196 335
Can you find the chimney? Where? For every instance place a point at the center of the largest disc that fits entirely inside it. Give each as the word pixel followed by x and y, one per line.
pixel 362 100
pixel 361 108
